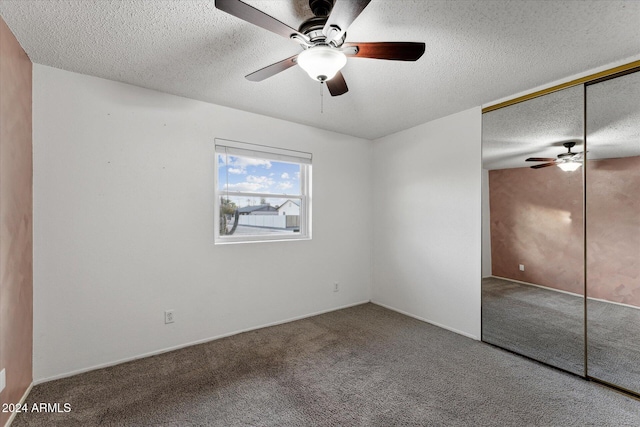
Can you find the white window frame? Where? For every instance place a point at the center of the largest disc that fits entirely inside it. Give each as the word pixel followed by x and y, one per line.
pixel 244 149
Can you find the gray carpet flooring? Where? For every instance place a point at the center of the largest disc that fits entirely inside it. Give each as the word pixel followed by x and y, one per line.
pixel 613 344
pixel 362 366
pixel 545 325
pixel 548 326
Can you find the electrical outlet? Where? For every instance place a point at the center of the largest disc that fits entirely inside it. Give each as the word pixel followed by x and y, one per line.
pixel 169 316
pixel 521 266
pixel 336 287
pixel 3 380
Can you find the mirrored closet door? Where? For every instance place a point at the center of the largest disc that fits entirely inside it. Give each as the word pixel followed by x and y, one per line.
pixel 561 228
pixel 613 230
pixel 533 245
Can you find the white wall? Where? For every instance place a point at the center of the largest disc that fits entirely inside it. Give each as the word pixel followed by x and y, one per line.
pixel 123 225
pixel 486 226
pixel 427 224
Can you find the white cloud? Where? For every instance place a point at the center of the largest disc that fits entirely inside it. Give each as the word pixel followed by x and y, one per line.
pixel 238 165
pixel 246 161
pixel 284 176
pixel 244 186
pixel 253 183
pixel 285 185
pixel 262 180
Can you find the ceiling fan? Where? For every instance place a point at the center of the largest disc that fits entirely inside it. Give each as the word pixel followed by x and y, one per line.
pixel 568 161
pixel 323 39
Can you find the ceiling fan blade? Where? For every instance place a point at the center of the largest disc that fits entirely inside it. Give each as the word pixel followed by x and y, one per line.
pixel 395 51
pixel 256 17
pixel 544 165
pixel 344 12
pixel 540 159
pixel 337 86
pixel 272 70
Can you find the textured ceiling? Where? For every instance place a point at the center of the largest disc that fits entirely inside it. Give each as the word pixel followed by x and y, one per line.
pixel 477 52
pixel 538 127
pixel 613 118
pixel 535 128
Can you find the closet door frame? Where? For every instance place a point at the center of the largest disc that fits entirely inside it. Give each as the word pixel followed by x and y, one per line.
pixel 585 82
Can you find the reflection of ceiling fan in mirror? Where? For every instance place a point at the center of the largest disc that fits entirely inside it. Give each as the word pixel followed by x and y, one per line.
pixel 323 40
pixel 568 161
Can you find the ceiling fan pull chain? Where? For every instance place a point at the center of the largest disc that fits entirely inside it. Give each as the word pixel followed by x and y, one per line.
pixel 321 98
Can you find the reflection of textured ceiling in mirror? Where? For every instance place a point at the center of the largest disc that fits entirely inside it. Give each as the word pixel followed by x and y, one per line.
pixel 613 118
pixel 534 128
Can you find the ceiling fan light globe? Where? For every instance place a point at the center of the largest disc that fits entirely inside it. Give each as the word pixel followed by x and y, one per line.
pixel 569 166
pixel 322 63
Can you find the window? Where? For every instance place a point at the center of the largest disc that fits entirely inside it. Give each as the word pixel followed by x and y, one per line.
pixel 262 193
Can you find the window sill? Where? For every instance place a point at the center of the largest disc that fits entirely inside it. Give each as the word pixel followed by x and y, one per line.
pixel 234 241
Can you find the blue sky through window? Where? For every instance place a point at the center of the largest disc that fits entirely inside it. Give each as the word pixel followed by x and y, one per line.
pixel 253 175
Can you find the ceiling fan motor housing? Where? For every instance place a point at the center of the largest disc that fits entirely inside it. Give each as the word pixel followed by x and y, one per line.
pixel 313 27
pixel 321 7
pixel 568 146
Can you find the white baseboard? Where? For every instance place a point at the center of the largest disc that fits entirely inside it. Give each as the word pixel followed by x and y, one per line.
pixel 473 337
pixel 564 292
pixel 537 286
pixel 22 400
pixel 189 344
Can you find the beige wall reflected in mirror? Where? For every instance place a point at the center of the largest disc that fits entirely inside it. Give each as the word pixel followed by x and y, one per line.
pixel 613 231
pixel 533 285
